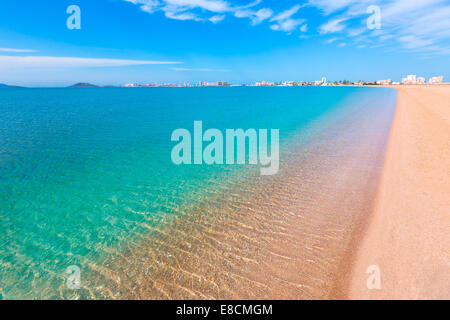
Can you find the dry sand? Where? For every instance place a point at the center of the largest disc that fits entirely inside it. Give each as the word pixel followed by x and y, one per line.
pixel 408 237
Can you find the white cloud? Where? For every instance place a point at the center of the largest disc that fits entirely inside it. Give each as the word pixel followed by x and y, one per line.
pixel 216 10
pixel 405 7
pixel 217 6
pixel 217 19
pixel 332 26
pixel 7 62
pixel 423 25
pixel 182 16
pixel 420 25
pixel 17 50
pixel 186 9
pixel 286 14
pixel 331 40
pixel 356 32
pixel 330 6
pixel 386 37
pixel 426 20
pixel 284 20
pixel 412 42
pixel 287 25
pixel 199 70
pixel 255 16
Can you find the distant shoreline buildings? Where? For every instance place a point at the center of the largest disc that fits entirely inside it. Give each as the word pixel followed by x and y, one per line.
pixel 436 80
pixel 409 80
pixel 185 84
pixel 412 79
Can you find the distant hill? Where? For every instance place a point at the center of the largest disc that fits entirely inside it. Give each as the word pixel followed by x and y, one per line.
pixel 3 86
pixel 83 85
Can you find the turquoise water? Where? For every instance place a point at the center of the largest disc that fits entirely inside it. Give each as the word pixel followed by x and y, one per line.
pixel 84 171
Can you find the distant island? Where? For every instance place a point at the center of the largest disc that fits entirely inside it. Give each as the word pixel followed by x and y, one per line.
pixel 83 85
pixel 4 86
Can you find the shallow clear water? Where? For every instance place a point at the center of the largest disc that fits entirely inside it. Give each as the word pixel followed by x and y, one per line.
pixel 86 177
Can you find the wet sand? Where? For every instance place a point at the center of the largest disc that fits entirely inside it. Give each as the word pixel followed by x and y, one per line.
pixel 408 237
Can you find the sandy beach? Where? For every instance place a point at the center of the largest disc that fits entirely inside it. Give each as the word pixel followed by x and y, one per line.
pixel 408 235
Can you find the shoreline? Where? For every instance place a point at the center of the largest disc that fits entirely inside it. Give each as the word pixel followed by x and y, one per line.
pixel 407 234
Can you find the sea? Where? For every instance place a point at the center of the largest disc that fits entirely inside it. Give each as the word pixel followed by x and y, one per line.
pixel 93 207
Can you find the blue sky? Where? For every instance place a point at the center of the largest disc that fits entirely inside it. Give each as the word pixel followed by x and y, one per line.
pixel 122 41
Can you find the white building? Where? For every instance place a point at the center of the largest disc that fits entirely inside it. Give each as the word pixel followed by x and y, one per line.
pixel 410 79
pixel 384 82
pixel 413 79
pixel 216 84
pixel 264 84
pixel 436 80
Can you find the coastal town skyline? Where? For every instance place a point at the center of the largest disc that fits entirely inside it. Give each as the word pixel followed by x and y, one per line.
pixel 65 42
pixel 409 80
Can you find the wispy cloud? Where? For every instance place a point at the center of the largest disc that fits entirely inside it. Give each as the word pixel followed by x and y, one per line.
pixel 332 6
pixel 217 18
pixel 332 26
pixel 12 50
pixel 421 25
pixel 255 16
pixel 412 42
pixel 285 21
pixel 285 15
pixel 356 32
pixel 7 62
pixel 199 70
pixel 414 24
pixel 217 6
pixel 186 9
pixel 216 10
pixel 331 40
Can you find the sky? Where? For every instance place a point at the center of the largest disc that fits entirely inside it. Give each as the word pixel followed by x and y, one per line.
pixel 113 42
